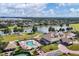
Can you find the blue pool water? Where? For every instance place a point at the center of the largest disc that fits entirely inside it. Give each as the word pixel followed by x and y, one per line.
pixel 30 43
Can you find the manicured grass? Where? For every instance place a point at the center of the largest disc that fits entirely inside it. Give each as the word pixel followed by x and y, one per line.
pixel 75 27
pixel 74 47
pixel 50 47
pixel 8 38
pixel 10 27
pixel 13 37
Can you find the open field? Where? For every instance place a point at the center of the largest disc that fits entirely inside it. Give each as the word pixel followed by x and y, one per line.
pixel 74 47
pixel 75 27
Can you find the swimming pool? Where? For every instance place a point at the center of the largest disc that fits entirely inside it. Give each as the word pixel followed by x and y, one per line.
pixel 30 43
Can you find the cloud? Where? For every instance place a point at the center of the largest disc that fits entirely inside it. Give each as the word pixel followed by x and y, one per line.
pixel 74 10
pixel 25 10
pixel 68 9
pixel 21 9
pixel 38 10
pixel 67 4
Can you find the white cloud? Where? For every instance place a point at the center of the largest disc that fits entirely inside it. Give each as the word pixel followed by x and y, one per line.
pixel 71 10
pixel 36 10
pixel 67 4
pixel 27 9
pixel 74 10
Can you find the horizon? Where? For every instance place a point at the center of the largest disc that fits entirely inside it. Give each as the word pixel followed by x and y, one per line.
pixel 35 17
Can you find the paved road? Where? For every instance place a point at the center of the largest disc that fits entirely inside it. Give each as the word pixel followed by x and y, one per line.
pixel 63 49
pixel 54 53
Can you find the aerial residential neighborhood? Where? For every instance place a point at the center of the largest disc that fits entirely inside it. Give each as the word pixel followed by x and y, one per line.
pixel 48 34
pixel 36 40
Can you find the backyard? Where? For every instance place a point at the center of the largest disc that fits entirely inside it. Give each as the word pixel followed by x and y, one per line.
pixel 75 27
pixel 50 47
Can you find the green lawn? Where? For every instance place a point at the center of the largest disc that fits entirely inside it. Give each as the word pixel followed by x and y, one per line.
pixel 75 27
pixel 13 37
pixel 74 47
pixel 50 47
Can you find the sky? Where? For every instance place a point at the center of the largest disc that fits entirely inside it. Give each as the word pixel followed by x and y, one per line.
pixel 39 9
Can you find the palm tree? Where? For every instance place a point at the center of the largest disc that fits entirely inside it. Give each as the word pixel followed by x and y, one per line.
pixel 34 29
pixel 53 29
pixel 50 29
pixel 61 25
pixel 1 44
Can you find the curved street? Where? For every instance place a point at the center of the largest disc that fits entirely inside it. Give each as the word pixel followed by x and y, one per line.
pixel 63 49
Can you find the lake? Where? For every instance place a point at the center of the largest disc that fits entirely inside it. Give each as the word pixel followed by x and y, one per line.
pixel 44 29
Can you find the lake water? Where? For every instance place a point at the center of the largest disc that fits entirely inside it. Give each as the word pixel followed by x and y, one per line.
pixel 44 29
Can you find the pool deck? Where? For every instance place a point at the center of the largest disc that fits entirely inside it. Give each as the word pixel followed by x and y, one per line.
pixel 25 46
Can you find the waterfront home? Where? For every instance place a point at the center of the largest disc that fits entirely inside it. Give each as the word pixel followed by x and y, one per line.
pixel 71 35
pixel 51 37
pixel 43 41
pixel 68 38
pixel 65 41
